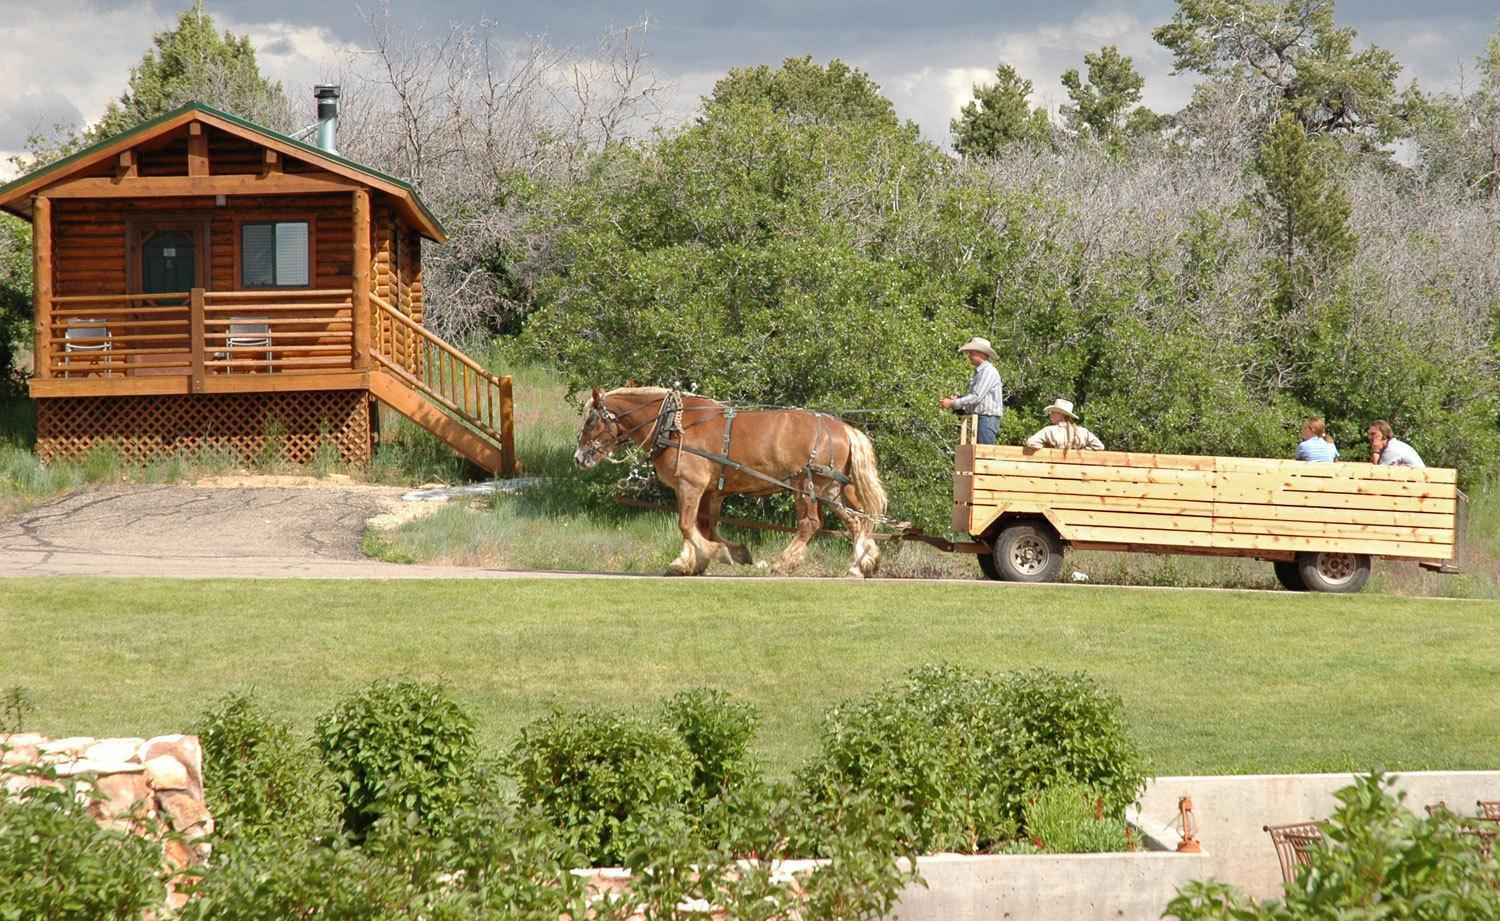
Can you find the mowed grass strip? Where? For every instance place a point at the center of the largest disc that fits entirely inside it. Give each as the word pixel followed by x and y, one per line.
pixel 1212 681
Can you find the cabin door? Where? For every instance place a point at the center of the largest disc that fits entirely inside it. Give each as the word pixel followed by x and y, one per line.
pixel 170 263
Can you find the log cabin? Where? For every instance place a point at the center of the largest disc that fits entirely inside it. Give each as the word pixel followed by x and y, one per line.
pixel 204 284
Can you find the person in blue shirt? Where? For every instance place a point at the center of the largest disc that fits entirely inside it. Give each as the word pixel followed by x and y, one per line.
pixel 1316 444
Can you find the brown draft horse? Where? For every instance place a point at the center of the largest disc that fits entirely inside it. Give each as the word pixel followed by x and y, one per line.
pixel 813 452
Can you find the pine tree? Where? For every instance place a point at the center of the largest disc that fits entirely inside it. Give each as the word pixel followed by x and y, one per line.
pixel 1106 107
pixel 998 116
pixel 1306 210
pixel 192 62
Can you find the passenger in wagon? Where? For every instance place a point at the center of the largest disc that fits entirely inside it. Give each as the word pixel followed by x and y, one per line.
pixel 1317 444
pixel 1389 450
pixel 1064 432
pixel 986 396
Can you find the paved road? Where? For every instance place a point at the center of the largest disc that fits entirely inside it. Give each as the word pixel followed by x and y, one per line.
pixel 206 532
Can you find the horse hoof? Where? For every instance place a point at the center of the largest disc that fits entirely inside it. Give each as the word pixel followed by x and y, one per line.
pixel 740 555
pixel 854 572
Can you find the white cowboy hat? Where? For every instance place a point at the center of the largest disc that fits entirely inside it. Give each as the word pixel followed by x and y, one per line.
pixel 977 344
pixel 1062 406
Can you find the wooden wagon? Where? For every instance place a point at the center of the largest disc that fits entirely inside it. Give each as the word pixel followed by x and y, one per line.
pixel 1318 524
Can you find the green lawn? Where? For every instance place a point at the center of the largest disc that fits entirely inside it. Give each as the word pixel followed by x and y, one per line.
pixel 1212 681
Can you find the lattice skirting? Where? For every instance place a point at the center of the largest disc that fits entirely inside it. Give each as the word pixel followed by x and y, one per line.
pixel 145 428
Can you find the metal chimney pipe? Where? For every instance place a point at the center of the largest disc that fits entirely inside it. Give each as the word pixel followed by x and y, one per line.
pixel 327 95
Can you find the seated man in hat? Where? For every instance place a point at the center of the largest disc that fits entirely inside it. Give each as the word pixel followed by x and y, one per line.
pixel 1064 432
pixel 986 396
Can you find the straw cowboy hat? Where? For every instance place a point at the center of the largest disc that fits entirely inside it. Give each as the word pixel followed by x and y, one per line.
pixel 977 344
pixel 1062 406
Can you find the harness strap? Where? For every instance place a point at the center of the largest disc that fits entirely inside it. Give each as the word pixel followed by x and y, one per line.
pixel 728 427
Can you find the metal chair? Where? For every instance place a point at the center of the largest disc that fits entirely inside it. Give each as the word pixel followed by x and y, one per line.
pixel 247 333
pixel 1294 843
pixel 86 336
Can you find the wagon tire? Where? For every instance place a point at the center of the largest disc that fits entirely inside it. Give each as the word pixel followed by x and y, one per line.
pixel 987 565
pixel 1289 576
pixel 1027 551
pixel 1339 573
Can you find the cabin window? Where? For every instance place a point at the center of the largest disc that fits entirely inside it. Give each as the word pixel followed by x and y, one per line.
pixel 274 254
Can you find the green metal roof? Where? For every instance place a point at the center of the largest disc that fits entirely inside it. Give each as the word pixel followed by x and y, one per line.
pixel 147 126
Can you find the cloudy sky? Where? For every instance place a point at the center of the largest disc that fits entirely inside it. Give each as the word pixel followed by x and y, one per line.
pixel 65 59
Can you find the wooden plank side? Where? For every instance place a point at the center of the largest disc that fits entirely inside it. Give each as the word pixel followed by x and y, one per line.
pixel 1094 458
pixel 1162 538
pixel 1126 490
pixel 1330 500
pixel 1343 470
pixel 1337 485
pixel 1251 542
pixel 1148 522
pixel 1327 529
pixel 1108 503
pixel 1092 472
pixel 1231 510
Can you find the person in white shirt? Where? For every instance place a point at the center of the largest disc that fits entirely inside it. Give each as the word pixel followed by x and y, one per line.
pixel 986 396
pixel 1389 450
pixel 1064 432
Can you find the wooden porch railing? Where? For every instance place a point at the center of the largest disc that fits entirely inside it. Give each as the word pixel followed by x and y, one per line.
pixel 443 374
pixel 200 333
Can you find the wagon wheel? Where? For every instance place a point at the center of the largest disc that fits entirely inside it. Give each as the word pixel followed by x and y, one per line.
pixel 1289 576
pixel 1027 551
pixel 1341 573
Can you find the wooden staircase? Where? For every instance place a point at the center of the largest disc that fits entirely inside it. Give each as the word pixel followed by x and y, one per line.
pixel 432 383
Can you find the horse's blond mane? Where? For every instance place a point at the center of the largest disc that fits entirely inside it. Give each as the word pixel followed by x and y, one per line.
pixel 654 393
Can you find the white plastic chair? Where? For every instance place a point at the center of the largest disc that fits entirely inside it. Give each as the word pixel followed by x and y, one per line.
pixel 247 333
pixel 86 336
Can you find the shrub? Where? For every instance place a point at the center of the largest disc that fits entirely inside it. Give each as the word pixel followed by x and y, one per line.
pixel 1073 731
pixel 1070 818
pixel 59 863
pixel 280 878
pixel 594 773
pixel 1379 860
pixel 958 751
pixel 717 731
pixel 257 779
pixel 398 749
pixel 934 747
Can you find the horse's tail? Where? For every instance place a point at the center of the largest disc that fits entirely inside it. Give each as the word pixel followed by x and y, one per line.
pixel 862 470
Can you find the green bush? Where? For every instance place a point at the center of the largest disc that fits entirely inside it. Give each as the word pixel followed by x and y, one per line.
pixel 1070 818
pixel 258 780
pixel 1074 731
pixel 1379 860
pixel 281 878
pixel 595 773
pixel 398 750
pixel 958 751
pixel 57 862
pixel 717 730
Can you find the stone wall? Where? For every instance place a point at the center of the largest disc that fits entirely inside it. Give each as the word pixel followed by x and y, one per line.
pixel 131 784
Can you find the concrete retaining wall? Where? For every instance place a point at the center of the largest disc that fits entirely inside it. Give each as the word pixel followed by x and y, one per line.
pixel 1233 809
pixel 1046 887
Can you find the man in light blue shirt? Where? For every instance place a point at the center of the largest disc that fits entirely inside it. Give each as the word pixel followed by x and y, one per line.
pixel 1316 446
pixel 1388 450
pixel 986 396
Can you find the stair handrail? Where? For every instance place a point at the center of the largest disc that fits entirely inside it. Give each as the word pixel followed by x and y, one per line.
pixel 432 337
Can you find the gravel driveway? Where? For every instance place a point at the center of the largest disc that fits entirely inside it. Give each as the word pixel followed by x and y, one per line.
pixel 267 531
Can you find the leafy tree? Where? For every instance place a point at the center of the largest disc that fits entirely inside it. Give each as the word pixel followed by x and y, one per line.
pixel 1458 134
pixel 1306 211
pixel 1296 58
pixel 15 300
pixel 1106 107
pixel 999 115
pixel 807 92
pixel 194 62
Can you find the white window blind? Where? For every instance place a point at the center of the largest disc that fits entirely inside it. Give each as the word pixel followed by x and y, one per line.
pixel 275 255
